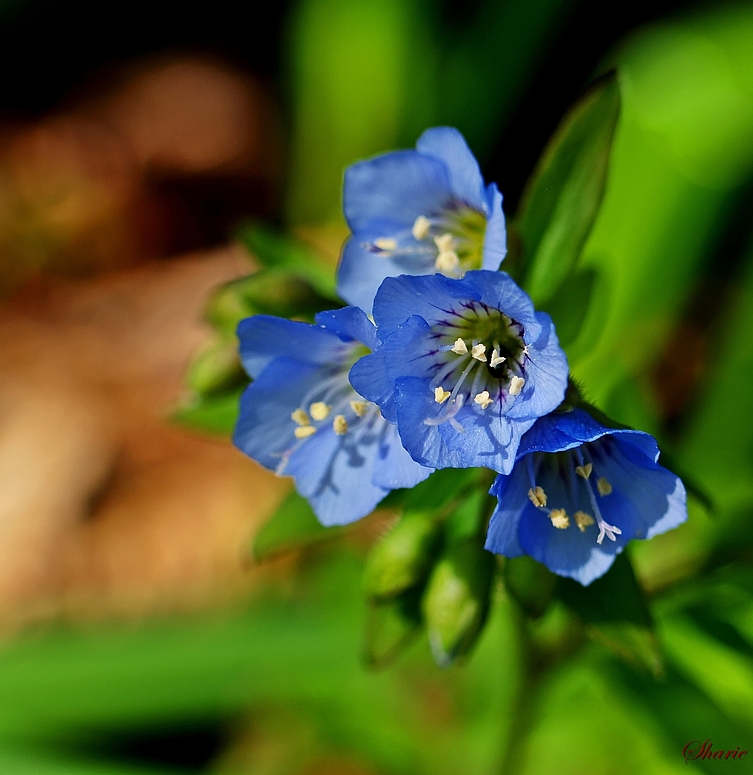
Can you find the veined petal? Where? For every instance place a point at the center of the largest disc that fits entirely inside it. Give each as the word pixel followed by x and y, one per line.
pixel 394 467
pixel 263 338
pixel 396 186
pixel 449 146
pixel 350 324
pixel 495 239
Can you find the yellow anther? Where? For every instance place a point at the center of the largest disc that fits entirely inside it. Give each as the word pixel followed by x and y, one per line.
pixel 478 351
pixel 421 227
pixel 304 431
pixel 603 486
pixel 385 243
pixel 516 385
pixel 559 518
pixel 537 496
pixel 459 347
pixel 319 410
pixel 300 417
pixel 340 424
pixel 441 395
pixel 584 471
pixel 447 261
pixel 483 399
pixel 496 358
pixel 359 407
pixel 445 243
pixel 583 520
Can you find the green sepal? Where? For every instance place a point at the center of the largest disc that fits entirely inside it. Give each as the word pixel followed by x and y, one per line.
pixel 390 626
pixel 563 196
pixel 531 584
pixel 403 557
pixel 279 292
pixel 214 414
pixel 616 615
pixel 278 251
pixel 292 526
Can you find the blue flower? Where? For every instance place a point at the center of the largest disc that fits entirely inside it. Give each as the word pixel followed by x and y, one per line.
pixel 579 492
pixel 418 212
pixel 465 367
pixel 301 417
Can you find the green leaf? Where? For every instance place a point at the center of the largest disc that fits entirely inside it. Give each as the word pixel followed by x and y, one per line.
pixel 441 488
pixel 569 308
pixel 278 251
pixel 292 526
pixel 404 556
pixel 530 583
pixel 390 626
pixel 564 194
pixel 616 614
pixel 215 414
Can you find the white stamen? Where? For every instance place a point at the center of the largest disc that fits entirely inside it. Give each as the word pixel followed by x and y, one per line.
pixel 583 520
pixel 584 471
pixel 477 351
pixel 300 417
pixel 385 243
pixel 455 407
pixel 603 486
pixel 421 227
pixel 459 347
pixel 319 410
pixel 441 395
pixel 340 424
pixel 483 399
pixel 516 385
pixel 496 358
pixel 559 519
pixel 359 407
pixel 537 496
pixel 447 262
pixel 445 243
pixel 304 431
pixel 609 531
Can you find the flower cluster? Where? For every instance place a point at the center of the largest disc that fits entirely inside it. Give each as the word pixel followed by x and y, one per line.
pixel 456 370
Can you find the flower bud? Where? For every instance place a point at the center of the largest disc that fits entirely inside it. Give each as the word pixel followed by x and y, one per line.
pixel 403 557
pixel 390 626
pixel 456 601
pixel 215 368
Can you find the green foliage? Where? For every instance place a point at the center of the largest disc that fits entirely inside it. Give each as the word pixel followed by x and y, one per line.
pixel 563 196
pixel 214 414
pixel 390 626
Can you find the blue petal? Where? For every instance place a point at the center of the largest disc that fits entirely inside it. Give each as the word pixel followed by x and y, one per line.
pixel 430 296
pixel 546 375
pixel 502 533
pixel 394 467
pixel 350 324
pixel 397 186
pixel 373 376
pixel 265 337
pixel 495 238
pixel 264 430
pixel 361 271
pixel 488 440
pixel 335 474
pixel 500 291
pixel 560 431
pixel 646 498
pixel 448 145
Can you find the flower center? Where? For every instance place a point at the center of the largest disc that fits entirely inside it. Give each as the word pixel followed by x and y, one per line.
pixel 451 241
pixel 479 360
pixel 576 469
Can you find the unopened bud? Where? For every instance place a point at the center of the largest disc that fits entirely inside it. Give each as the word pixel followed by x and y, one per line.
pixel 456 601
pixel 403 557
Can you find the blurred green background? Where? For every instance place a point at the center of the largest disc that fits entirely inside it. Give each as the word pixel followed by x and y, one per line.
pixel 137 634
